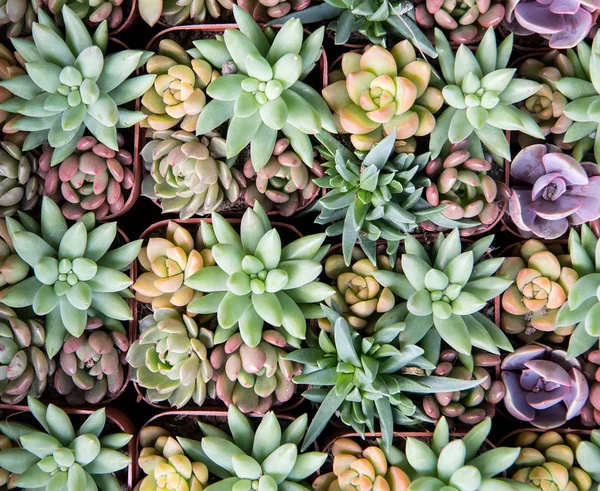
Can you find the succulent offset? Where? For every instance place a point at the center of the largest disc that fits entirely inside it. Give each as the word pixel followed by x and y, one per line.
pixel 20 183
pixel 71 86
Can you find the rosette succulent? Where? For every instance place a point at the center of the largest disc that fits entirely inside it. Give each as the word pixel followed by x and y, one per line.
pixel 542 283
pixel 383 90
pixel 445 290
pixel 58 457
pixel 75 275
pixel 257 280
pixel 357 468
pixel 543 388
pixel 170 358
pixel 551 191
pixel 367 378
pixel 72 86
pixel 265 93
pixel 20 183
pixel 481 94
pixel 176 12
pixel 17 17
pixel 24 366
pixel 186 173
pixel 265 10
pixel 253 378
pixel 93 178
pixel 177 96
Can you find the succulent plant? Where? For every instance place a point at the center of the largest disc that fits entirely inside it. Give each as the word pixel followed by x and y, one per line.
pixel 92 12
pixel 165 464
pixel 24 366
pixel 481 94
pixel 177 96
pixel 265 10
pixel 253 378
pixel 543 388
pixel 552 191
pixel 590 414
pixel 90 366
pixel 176 12
pixel 58 457
pixel 167 263
pixel 285 184
pixel 170 358
pixel 186 173
pixel 461 181
pixel 465 20
pixel 255 280
pixel 264 94
pixel 355 468
pixel 70 86
pixel 9 67
pixel 367 378
pixel 587 453
pixel 469 406
pixel 445 290
pixel 547 461
pixel 564 26
pixel 17 17
pixel 12 268
pixel 75 275
pixel 20 183
pixel 383 90
pixel 541 285
pixel 93 178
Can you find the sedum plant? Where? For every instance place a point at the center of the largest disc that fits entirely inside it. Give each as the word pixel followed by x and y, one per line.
pixel 258 280
pixel 12 268
pixel 60 457
pixel 20 182
pixel 71 86
pixel 75 274
pixel 265 10
pixel 590 414
pixel 170 359
pixel 177 12
pixel 265 93
pixel 17 18
pixel 381 91
pixel 481 94
pixel 445 289
pixel 92 12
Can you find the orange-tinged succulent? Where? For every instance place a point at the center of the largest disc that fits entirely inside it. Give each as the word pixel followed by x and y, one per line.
pixel 382 91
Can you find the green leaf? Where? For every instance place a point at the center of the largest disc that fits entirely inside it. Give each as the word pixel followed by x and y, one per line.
pixel 267 438
pixel 421 457
pixel 31 248
pixel 51 46
pixel 107 462
pixel 117 68
pixel 451 458
pixel 475 438
pixel 60 425
pixel 241 429
pixel 454 331
pixel 495 461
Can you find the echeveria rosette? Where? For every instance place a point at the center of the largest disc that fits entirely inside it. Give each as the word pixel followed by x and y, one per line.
pixel 481 94
pixel 256 280
pixel 445 290
pixel 543 387
pixel 72 86
pixel 265 94
pixel 551 191
pixel 367 378
pixel 75 275
pixel 60 457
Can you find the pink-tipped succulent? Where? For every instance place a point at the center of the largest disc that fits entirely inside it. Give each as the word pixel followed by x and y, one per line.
pixel 94 178
pixel 565 23
pixel 285 184
pixel 383 90
pixel 542 386
pixel 551 190
pixel 590 414
pixel 266 10
pixel 253 378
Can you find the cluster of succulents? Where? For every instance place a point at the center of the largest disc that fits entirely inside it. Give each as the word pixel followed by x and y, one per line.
pixel 176 12
pixel 20 179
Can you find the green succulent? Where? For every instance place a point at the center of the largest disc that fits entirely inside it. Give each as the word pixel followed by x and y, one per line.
pixel 588 455
pixel 264 94
pixel 481 94
pixel 71 86
pixel 75 275
pixel 445 290
pixel 58 457
pixel 365 378
pixel 256 280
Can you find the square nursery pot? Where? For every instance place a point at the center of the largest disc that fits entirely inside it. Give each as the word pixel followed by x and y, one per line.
pixel 116 421
pixel 141 310
pixel 185 35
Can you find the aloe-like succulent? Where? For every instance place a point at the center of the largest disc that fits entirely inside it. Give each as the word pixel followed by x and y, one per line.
pixel 170 358
pixel 542 386
pixel 59 457
pixel 264 94
pixel 367 378
pixel 382 90
pixel 445 289
pixel 20 183
pixel 481 94
pixel 176 12
pixel 258 280
pixel 72 86
pixel 75 273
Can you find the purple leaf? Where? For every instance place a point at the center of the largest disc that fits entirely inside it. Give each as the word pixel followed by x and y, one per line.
pixel 517 359
pixel 520 210
pixel 555 210
pixel 514 400
pixel 538 18
pixel 550 371
pixel 546 398
pixel 549 229
pixel 526 165
pixel 576 29
pixel 550 418
pixel 578 395
pixel 529 379
pixel 543 182
pixel 568 7
pixel 566 166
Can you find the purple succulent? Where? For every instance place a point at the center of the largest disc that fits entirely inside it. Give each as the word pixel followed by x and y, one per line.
pixel 542 386
pixel 551 191
pixel 563 22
